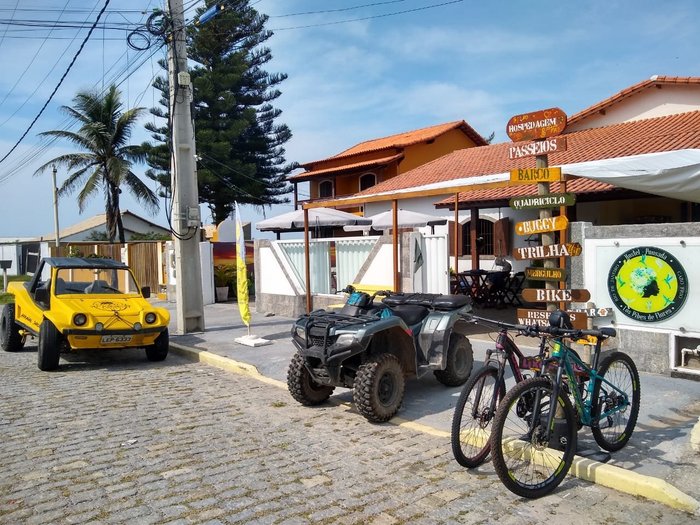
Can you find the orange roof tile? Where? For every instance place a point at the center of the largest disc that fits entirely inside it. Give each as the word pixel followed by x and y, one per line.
pixel 666 133
pixel 401 140
pixel 656 80
pixel 384 161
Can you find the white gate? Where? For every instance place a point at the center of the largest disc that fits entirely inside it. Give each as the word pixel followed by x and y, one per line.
pixel 320 263
pixel 436 269
pixel 350 255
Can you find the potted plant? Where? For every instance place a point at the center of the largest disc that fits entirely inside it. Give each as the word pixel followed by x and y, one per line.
pixel 224 276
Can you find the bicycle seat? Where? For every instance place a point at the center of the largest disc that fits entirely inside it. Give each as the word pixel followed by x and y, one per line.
pixel 608 331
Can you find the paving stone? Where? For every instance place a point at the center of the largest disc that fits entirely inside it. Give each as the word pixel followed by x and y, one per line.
pixel 178 442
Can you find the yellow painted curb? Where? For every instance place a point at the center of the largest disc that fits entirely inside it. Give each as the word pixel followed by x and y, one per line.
pixel 609 476
pixel 633 483
pixel 695 437
pixel 224 363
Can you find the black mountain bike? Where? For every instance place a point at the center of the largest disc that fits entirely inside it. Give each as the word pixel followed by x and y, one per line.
pixel 477 404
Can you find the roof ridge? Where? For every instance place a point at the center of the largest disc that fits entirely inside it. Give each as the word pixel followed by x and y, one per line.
pixel 628 91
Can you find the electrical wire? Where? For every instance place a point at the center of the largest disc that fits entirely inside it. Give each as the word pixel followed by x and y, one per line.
pixel 70 66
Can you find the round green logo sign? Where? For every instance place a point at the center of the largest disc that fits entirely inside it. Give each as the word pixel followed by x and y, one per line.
pixel 647 284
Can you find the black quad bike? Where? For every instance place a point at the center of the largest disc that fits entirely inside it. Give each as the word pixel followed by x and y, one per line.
pixel 372 348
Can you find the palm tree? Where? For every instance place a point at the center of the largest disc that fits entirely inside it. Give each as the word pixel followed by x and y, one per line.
pixel 105 159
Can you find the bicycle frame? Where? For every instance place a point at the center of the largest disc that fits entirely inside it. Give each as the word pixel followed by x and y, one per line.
pixel 567 361
pixel 507 352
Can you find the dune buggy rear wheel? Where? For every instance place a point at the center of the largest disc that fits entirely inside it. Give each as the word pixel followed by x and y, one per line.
pixel 301 385
pixel 379 388
pixel 10 338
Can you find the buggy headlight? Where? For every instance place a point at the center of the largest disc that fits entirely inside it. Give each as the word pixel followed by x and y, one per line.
pixel 99 327
pixel 150 318
pixel 79 319
pixel 137 326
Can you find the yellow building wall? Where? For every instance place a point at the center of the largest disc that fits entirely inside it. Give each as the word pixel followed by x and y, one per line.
pixel 414 156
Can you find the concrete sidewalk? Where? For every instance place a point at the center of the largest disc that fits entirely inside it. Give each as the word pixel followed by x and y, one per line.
pixel 661 461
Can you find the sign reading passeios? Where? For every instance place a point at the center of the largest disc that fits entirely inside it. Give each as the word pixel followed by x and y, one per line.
pixel 538 147
pixel 536 125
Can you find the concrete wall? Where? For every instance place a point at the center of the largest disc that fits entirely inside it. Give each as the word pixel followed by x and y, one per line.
pixel 655 346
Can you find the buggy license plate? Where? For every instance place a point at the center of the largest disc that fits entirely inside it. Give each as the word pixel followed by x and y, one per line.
pixel 106 339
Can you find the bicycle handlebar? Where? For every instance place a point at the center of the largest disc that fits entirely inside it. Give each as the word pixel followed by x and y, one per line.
pixel 537 330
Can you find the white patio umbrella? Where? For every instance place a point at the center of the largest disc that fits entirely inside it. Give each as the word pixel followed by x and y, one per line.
pixel 406 219
pixel 294 220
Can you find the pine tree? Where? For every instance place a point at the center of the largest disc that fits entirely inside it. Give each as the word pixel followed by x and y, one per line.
pixel 240 146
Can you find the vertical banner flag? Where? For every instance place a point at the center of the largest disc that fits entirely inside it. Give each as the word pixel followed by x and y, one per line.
pixel 241 270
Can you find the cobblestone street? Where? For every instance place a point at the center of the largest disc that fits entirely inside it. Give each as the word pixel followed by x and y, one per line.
pixel 112 438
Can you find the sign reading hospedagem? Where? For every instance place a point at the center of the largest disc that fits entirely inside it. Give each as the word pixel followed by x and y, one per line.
pixel 536 125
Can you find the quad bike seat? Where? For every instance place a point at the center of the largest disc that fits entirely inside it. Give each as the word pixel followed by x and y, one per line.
pixel 410 313
pixel 435 301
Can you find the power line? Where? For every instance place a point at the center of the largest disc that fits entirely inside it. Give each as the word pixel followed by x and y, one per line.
pixel 372 17
pixel 59 82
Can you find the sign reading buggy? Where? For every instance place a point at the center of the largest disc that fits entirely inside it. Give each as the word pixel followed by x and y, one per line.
pixel 647 284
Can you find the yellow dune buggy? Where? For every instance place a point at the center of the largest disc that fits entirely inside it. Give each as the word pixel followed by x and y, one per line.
pixel 83 303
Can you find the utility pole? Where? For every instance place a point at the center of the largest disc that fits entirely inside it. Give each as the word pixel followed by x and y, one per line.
pixel 185 210
pixel 55 208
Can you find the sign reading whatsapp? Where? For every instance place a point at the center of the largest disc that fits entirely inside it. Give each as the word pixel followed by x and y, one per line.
pixel 647 284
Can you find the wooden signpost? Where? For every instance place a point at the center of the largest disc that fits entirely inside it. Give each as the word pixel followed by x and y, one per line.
pixel 534 175
pixel 551 251
pixel 532 317
pixel 549 200
pixel 547 224
pixel 536 125
pixel 545 274
pixel 554 295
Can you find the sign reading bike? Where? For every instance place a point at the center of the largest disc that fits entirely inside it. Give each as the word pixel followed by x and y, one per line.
pixel 553 295
pixel 536 125
pixel 550 200
pixel 534 175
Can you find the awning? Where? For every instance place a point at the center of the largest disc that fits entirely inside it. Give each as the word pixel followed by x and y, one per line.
pixel 672 174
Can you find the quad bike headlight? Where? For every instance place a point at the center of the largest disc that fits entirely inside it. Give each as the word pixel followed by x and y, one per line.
pixel 150 318
pixel 344 340
pixel 300 332
pixel 79 319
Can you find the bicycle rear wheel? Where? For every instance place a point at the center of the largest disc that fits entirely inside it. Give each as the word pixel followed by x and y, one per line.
pixel 612 432
pixel 520 444
pixel 471 423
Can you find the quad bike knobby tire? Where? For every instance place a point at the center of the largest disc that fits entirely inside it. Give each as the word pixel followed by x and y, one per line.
pixel 460 360
pixel 10 338
pixel 301 385
pixel 49 347
pixel 158 351
pixel 379 388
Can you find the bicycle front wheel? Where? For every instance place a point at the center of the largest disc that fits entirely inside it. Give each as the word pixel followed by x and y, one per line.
pixel 471 423
pixel 616 401
pixel 529 459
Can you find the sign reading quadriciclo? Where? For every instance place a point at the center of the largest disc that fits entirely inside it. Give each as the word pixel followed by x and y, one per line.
pixel 647 284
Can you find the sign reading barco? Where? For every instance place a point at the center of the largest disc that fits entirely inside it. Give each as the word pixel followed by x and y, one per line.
pixel 647 284
pixel 536 125
pixel 534 175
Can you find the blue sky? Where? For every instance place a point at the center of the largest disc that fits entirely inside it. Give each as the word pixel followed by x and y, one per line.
pixel 355 73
